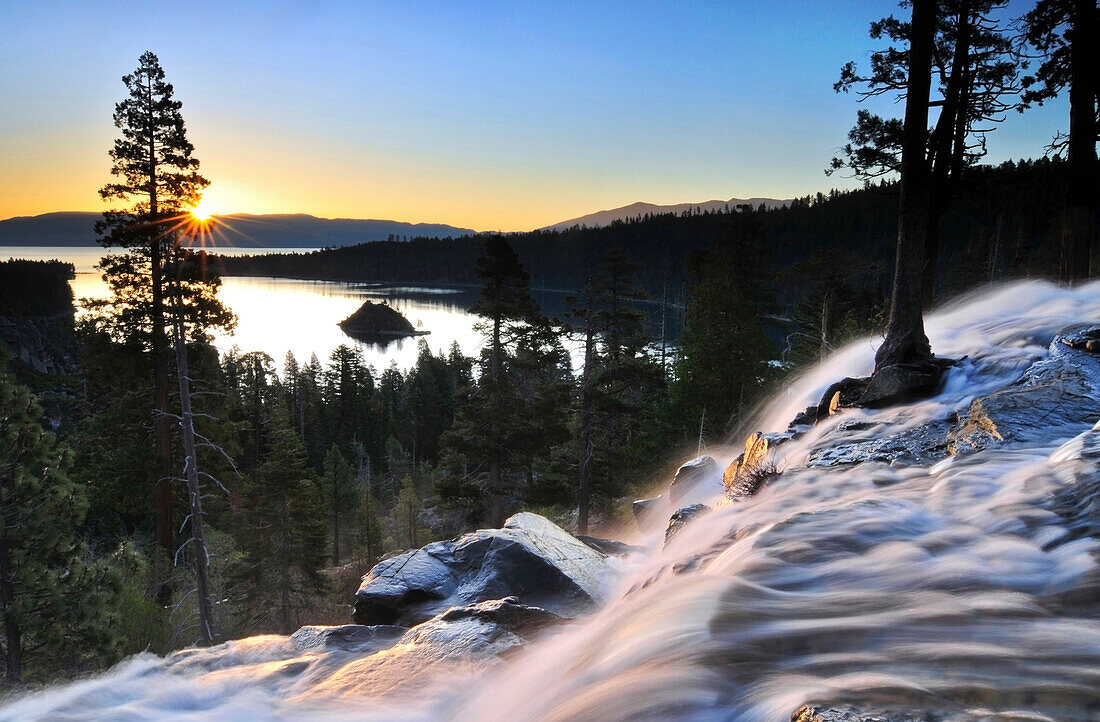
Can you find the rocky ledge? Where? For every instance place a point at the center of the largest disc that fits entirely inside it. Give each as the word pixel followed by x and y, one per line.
pixel 847 713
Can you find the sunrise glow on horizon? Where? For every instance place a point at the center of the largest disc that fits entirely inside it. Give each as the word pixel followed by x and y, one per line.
pixel 484 116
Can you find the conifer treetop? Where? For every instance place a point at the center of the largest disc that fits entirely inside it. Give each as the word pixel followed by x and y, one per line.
pixel 152 158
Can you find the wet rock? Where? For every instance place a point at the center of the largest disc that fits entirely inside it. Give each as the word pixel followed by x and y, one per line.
pixel 507 613
pixel 610 547
pixel 695 480
pixel 808 417
pixel 845 713
pixel 1060 391
pixel 647 510
pixel 924 445
pixel 904 382
pixel 346 638
pixel 682 516
pixel 417 580
pixel 842 394
pixel 530 558
pixel 1085 338
pixel 457 641
pixel 742 476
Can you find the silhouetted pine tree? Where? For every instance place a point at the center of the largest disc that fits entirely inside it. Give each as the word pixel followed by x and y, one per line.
pixel 1066 34
pixel 158 177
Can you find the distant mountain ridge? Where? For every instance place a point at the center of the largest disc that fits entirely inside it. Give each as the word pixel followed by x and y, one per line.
pixel 276 230
pixel 606 218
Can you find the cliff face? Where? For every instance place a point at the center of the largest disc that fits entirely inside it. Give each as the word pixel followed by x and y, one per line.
pixel 36 315
pixel 44 345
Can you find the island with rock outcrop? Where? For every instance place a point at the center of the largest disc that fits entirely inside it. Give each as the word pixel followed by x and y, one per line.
pixel 378 323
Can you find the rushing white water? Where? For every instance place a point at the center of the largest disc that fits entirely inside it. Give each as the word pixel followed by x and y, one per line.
pixel 968 586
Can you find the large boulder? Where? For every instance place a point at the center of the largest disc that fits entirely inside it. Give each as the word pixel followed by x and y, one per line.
pixel 345 638
pixel 508 614
pixel 530 558
pixel 648 511
pixel 610 547
pixel 423 579
pixel 459 641
pixel 696 480
pixel 842 394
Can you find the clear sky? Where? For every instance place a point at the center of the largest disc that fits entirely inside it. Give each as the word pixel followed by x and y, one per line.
pixel 503 115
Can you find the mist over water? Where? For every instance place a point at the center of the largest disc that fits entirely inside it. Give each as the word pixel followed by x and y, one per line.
pixel 966 586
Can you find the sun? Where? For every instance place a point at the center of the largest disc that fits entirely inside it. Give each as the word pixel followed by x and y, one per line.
pixel 200 213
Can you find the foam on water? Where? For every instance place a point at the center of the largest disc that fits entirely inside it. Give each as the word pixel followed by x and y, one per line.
pixel 961 586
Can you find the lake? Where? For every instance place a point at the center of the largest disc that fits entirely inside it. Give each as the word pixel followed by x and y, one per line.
pixel 276 315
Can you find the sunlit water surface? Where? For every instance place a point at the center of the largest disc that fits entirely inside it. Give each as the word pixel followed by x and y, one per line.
pixel 277 315
pixel 950 587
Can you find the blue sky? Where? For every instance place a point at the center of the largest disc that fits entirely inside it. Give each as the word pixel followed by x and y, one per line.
pixel 490 115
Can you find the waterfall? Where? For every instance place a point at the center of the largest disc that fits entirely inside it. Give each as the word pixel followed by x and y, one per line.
pixel 967 585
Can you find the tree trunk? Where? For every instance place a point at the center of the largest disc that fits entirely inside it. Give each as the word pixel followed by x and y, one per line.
pixel 284 600
pixel 584 490
pixel 496 491
pixel 905 338
pixel 162 493
pixel 335 520
pixel 1079 233
pixel 194 489
pixel 947 147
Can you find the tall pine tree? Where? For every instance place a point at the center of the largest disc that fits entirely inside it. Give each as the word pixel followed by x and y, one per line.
pixel 490 416
pixel 158 177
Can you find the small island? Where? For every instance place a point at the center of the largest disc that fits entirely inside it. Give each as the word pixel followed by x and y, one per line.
pixel 378 323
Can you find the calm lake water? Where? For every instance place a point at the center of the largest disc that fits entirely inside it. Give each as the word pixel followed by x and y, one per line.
pixel 276 315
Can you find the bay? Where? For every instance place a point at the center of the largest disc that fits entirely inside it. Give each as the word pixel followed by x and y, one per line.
pixel 277 315
pixel 280 315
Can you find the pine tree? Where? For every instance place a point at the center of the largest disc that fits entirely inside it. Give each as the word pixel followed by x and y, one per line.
pixel 506 305
pixel 281 530
pixel 431 388
pixel 723 360
pixel 1066 34
pixel 905 338
pixel 339 491
pixel 278 505
pixel 51 600
pixel 973 74
pixel 618 379
pixel 405 512
pixel 158 177
pixel 347 389
pixel 368 535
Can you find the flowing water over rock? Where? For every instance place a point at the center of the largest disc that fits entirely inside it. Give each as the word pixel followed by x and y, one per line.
pixel 949 572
